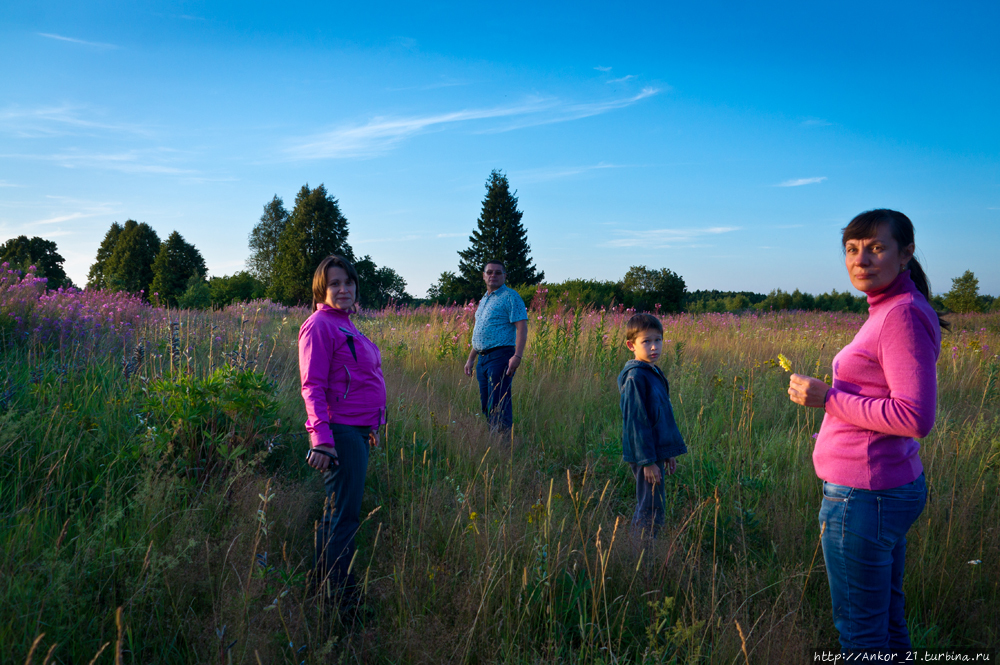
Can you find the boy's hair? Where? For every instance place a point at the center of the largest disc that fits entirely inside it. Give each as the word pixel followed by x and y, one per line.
pixel 641 323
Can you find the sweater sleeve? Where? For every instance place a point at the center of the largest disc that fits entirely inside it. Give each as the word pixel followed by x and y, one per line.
pixel 907 353
pixel 315 351
pixel 637 424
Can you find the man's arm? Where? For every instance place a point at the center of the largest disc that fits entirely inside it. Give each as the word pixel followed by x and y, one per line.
pixel 521 340
pixel 470 364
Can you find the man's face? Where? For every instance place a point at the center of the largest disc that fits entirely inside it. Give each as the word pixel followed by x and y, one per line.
pixel 494 276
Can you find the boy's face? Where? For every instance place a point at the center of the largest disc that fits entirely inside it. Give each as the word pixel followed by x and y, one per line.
pixel 647 345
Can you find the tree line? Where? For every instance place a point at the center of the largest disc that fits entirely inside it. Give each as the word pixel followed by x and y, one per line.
pixel 285 246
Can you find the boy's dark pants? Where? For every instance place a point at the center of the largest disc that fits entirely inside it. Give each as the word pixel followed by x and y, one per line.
pixel 648 516
pixel 345 485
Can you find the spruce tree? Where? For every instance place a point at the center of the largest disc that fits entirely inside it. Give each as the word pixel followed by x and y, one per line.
pixel 97 277
pixel 130 266
pixel 23 252
pixel 264 240
pixel 315 229
pixel 174 265
pixel 499 235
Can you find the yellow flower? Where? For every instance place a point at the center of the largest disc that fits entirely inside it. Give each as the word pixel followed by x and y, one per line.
pixel 785 363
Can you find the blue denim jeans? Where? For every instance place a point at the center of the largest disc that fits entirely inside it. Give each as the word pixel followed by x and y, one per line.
pixel 345 485
pixel 648 516
pixel 864 546
pixel 494 388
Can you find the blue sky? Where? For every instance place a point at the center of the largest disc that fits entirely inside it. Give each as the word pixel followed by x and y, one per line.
pixel 728 142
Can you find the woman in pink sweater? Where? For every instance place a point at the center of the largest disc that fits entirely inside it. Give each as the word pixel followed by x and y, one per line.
pixel 344 393
pixel 883 398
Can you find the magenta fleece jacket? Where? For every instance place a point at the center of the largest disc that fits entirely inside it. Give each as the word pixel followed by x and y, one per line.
pixel 884 394
pixel 341 372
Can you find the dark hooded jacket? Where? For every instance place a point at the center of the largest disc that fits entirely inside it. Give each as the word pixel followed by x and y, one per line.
pixel 649 432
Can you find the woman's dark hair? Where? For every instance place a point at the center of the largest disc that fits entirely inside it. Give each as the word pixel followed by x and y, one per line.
pixel 866 226
pixel 319 277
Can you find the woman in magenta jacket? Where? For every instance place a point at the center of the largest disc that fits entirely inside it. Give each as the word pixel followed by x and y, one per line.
pixel 883 398
pixel 344 393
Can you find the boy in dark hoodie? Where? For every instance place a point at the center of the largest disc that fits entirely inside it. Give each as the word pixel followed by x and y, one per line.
pixel 651 441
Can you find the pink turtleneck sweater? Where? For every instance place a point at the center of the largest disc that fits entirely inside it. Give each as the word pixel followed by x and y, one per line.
pixel 884 393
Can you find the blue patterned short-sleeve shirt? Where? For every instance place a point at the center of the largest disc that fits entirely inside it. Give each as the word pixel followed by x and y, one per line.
pixel 495 318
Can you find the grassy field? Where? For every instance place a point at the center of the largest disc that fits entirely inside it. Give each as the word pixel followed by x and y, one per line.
pixel 155 507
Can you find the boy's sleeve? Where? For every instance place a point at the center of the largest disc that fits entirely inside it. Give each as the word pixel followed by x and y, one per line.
pixel 637 430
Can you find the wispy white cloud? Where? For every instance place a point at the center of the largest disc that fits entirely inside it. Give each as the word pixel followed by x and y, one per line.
pixel 801 181
pixel 4 183
pixel 557 172
pixel 49 121
pixel 665 238
pixel 381 133
pixel 622 79
pixel 132 161
pixel 77 41
pixel 445 83
pixel 450 235
pixel 603 69
pixel 568 112
pixel 63 218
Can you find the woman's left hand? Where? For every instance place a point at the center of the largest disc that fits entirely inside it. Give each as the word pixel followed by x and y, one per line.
pixel 807 391
pixel 373 438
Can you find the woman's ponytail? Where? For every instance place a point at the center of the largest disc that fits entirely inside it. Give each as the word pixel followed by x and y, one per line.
pixel 920 281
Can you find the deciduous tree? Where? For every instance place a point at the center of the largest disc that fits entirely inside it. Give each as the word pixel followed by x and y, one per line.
pixel 130 266
pixel 645 289
pixel 264 240
pixel 174 265
pixel 240 287
pixel 378 286
pixel 97 278
pixel 315 229
pixel 22 252
pixel 964 294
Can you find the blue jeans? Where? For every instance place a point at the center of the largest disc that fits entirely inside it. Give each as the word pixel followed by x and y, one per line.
pixel 345 485
pixel 648 515
pixel 494 388
pixel 864 546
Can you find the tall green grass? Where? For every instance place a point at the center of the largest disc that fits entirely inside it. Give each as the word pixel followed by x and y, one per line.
pixel 474 548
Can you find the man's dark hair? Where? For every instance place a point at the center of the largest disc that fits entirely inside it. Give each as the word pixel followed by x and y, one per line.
pixel 496 263
pixel 641 323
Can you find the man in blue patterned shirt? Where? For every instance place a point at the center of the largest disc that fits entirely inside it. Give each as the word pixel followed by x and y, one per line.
pixel 498 342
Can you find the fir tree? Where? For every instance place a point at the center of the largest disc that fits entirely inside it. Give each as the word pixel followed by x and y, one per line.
pixel 264 240
pixel 499 235
pixel 315 229
pixel 97 277
pixel 174 265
